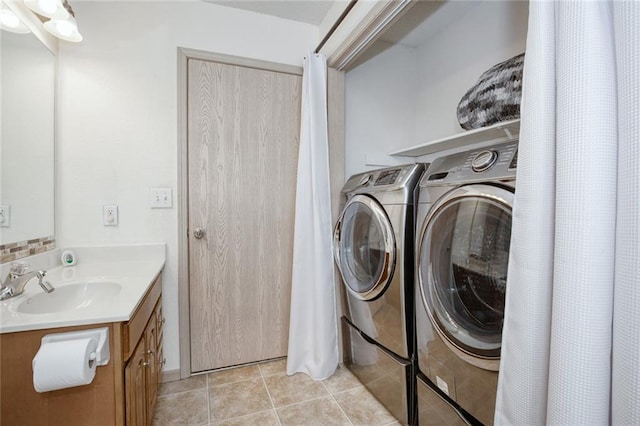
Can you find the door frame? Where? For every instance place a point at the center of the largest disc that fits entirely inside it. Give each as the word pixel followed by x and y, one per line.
pixel 361 27
pixel 184 54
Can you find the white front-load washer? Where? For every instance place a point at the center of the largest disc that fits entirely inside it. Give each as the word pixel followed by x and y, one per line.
pixel 374 251
pixel 463 234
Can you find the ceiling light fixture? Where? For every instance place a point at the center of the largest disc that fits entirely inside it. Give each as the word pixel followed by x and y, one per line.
pixel 48 8
pixel 65 28
pixel 10 22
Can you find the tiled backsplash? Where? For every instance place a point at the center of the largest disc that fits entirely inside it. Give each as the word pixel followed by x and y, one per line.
pixel 14 251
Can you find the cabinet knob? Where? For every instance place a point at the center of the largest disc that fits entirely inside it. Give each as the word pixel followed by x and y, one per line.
pixel 143 363
pixel 164 361
pixel 150 352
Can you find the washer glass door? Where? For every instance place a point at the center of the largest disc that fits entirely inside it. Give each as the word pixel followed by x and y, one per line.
pixel 464 253
pixel 364 247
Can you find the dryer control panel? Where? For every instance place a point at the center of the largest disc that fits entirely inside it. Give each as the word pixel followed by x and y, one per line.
pixel 491 163
pixel 382 177
pixel 392 185
pixel 390 177
pixel 387 177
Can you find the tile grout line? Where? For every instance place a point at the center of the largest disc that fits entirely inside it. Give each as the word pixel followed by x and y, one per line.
pixel 181 392
pixel 241 417
pixel 303 402
pixel 316 399
pixel 339 390
pixel 337 403
pixel 273 406
pixel 353 388
pixel 235 382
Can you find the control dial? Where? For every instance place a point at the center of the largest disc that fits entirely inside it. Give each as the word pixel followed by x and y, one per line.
pixel 484 160
pixel 365 179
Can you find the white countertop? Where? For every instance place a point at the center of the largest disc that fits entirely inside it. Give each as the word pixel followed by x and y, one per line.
pixel 133 267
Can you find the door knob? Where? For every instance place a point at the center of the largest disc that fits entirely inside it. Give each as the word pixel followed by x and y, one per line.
pixel 198 233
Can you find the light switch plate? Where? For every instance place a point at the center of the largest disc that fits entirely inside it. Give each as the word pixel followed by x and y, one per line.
pixel 161 198
pixel 110 215
pixel 5 216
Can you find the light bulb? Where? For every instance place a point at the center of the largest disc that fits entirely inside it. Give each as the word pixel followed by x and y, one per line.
pixel 10 22
pixel 9 19
pixel 65 29
pixel 48 6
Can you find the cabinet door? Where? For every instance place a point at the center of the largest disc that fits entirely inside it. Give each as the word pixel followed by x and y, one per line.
pixel 136 394
pixel 159 320
pixel 159 337
pixel 152 365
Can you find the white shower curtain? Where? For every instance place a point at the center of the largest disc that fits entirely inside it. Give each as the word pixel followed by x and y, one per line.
pixel 571 339
pixel 313 342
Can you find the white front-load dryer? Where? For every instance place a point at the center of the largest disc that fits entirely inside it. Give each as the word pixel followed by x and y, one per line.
pixel 374 251
pixel 463 235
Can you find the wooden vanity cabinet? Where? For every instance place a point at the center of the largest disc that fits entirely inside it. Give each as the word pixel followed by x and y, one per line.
pixel 123 392
pixel 143 364
pixel 135 387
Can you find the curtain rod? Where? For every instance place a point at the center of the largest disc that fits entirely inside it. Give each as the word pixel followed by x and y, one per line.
pixel 336 24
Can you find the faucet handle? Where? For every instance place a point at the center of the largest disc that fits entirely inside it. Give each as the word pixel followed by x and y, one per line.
pixel 19 268
pixel 45 285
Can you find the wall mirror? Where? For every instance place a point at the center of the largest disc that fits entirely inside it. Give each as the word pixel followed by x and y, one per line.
pixel 27 146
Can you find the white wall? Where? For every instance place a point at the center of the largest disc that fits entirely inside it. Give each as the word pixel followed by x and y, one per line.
pixel 118 116
pixel 451 62
pixel 438 72
pixel 380 107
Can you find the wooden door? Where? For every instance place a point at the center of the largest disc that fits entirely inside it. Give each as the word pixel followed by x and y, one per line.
pixel 243 130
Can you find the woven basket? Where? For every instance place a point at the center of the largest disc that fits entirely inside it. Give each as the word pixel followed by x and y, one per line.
pixel 495 97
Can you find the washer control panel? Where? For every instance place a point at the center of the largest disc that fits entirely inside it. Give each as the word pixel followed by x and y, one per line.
pixel 495 162
pixel 484 160
pixel 514 161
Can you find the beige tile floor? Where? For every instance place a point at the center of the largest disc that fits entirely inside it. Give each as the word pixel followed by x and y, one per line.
pixel 263 394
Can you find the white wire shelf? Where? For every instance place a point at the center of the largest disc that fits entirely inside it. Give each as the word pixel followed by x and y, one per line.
pixel 504 131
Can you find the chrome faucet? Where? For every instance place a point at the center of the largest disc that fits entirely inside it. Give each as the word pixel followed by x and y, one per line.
pixel 17 279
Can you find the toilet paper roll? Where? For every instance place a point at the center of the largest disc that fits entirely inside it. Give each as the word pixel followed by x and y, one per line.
pixel 60 365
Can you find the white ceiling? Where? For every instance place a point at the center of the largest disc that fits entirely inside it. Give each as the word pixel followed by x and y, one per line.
pixel 309 11
pixel 425 19
pixel 422 21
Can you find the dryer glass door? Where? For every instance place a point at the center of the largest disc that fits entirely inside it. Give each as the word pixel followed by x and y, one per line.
pixel 364 247
pixel 464 253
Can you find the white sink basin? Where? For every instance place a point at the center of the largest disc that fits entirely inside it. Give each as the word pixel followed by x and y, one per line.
pixel 70 297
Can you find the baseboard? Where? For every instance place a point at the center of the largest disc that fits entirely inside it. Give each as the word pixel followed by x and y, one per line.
pixel 170 376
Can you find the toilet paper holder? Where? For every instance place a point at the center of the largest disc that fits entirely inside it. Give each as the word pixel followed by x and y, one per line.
pixel 99 334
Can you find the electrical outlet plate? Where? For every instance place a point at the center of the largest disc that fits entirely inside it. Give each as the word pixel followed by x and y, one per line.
pixel 110 215
pixel 5 216
pixel 161 198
